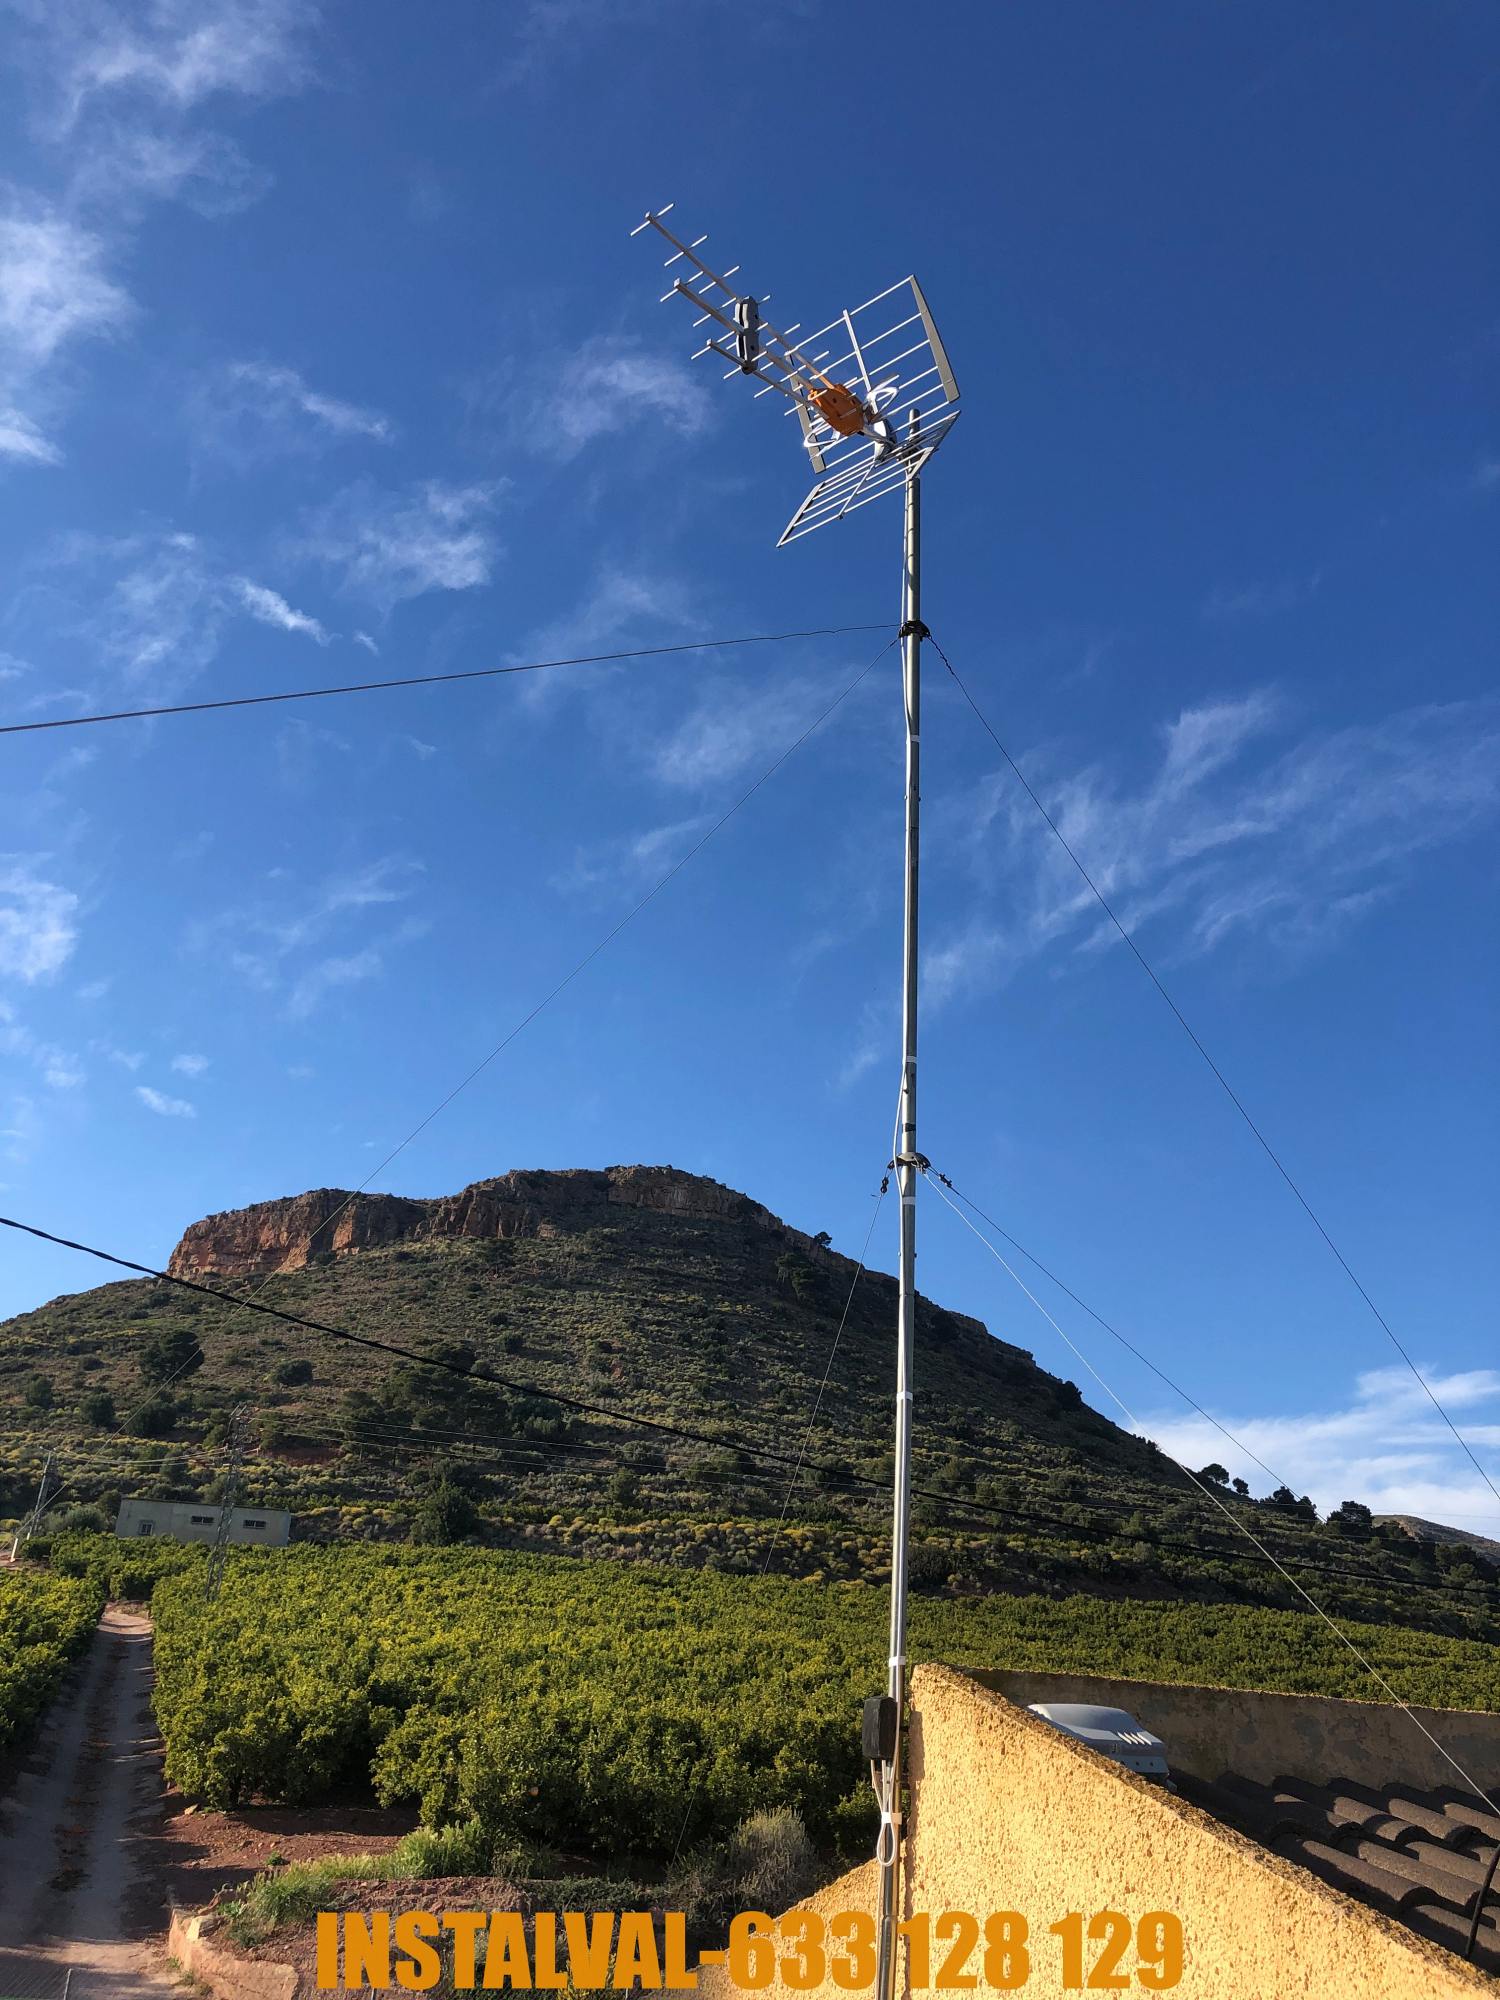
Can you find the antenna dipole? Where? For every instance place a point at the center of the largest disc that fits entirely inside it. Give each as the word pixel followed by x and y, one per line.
pixel 846 385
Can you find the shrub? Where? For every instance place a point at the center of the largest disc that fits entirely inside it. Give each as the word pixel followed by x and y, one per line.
pixel 153 1418
pixel 44 1622
pixel 927 1568
pixel 446 1515
pixel 293 1374
pixel 464 1849
pixel 595 1707
pixel 768 1863
pixel 286 1897
pixel 81 1521
pixel 170 1354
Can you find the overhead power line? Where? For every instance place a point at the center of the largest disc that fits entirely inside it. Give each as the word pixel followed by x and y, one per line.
pixel 609 936
pixel 552 1457
pixel 1113 1332
pixel 431 680
pixel 475 1373
pixel 834 1477
pixel 496 1450
pixel 1233 1519
pixel 1224 1084
pixel 567 980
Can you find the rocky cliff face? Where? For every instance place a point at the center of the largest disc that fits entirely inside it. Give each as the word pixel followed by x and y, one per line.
pixel 285 1235
pixel 281 1235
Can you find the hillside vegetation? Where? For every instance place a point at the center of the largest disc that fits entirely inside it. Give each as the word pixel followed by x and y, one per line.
pixel 713 1317
pixel 601 1709
pixel 44 1622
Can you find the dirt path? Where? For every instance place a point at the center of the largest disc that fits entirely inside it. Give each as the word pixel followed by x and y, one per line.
pixel 76 1831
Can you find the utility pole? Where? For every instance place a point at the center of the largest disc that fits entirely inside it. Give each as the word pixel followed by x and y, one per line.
pixel 33 1520
pixel 235 1439
pixel 846 384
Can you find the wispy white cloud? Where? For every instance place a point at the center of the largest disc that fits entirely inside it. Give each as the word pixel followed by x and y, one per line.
pixel 38 920
pixel 190 1065
pixel 20 438
pixel 1261 600
pixel 269 607
pixel 164 608
pixel 872 1044
pixel 252 410
pixel 1486 475
pixel 607 386
pixel 1230 836
pixel 389 546
pixel 301 941
pixel 57 1067
pixel 612 867
pixel 54 291
pixel 113 88
pixel 321 979
pixel 1385 1445
pixel 301 752
pixel 121 167
pixel 164 1106
pixel 618 608
pixel 544 32
pixel 545 37
pixel 171 54
pixel 364 639
pixel 154 607
pixel 53 285
pixel 731 727
pixel 21 1130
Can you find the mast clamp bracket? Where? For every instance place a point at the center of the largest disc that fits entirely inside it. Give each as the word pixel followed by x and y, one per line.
pixel 918 1160
pixel 914 629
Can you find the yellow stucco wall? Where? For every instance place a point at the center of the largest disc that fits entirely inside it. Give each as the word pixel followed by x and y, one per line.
pixel 1209 1731
pixel 1010 1815
pixel 1009 1812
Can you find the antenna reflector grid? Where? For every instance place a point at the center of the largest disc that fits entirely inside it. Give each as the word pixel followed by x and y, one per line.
pixel 873 391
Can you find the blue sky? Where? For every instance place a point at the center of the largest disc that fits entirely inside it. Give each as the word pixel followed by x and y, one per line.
pixel 324 352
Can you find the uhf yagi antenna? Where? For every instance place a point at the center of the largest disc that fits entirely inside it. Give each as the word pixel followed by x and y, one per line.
pixel 875 397
pixel 873 390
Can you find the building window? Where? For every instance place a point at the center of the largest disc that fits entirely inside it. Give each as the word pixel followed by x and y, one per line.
pixel 201 1520
pixel 248 1523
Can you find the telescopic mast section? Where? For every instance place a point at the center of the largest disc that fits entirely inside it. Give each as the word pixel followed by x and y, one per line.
pixel 874 396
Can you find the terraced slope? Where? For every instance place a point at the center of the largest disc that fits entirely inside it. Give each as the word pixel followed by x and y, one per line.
pixel 641 1292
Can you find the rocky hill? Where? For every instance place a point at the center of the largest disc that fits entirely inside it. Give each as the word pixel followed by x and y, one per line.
pixel 1437 1532
pixel 277 1236
pixel 642 1292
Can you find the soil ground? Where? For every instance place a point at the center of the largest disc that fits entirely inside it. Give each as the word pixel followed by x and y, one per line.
pixel 71 1828
pixel 95 1847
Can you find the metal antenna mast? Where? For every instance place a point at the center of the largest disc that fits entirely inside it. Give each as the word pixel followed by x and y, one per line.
pixel 874 397
pixel 236 1442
